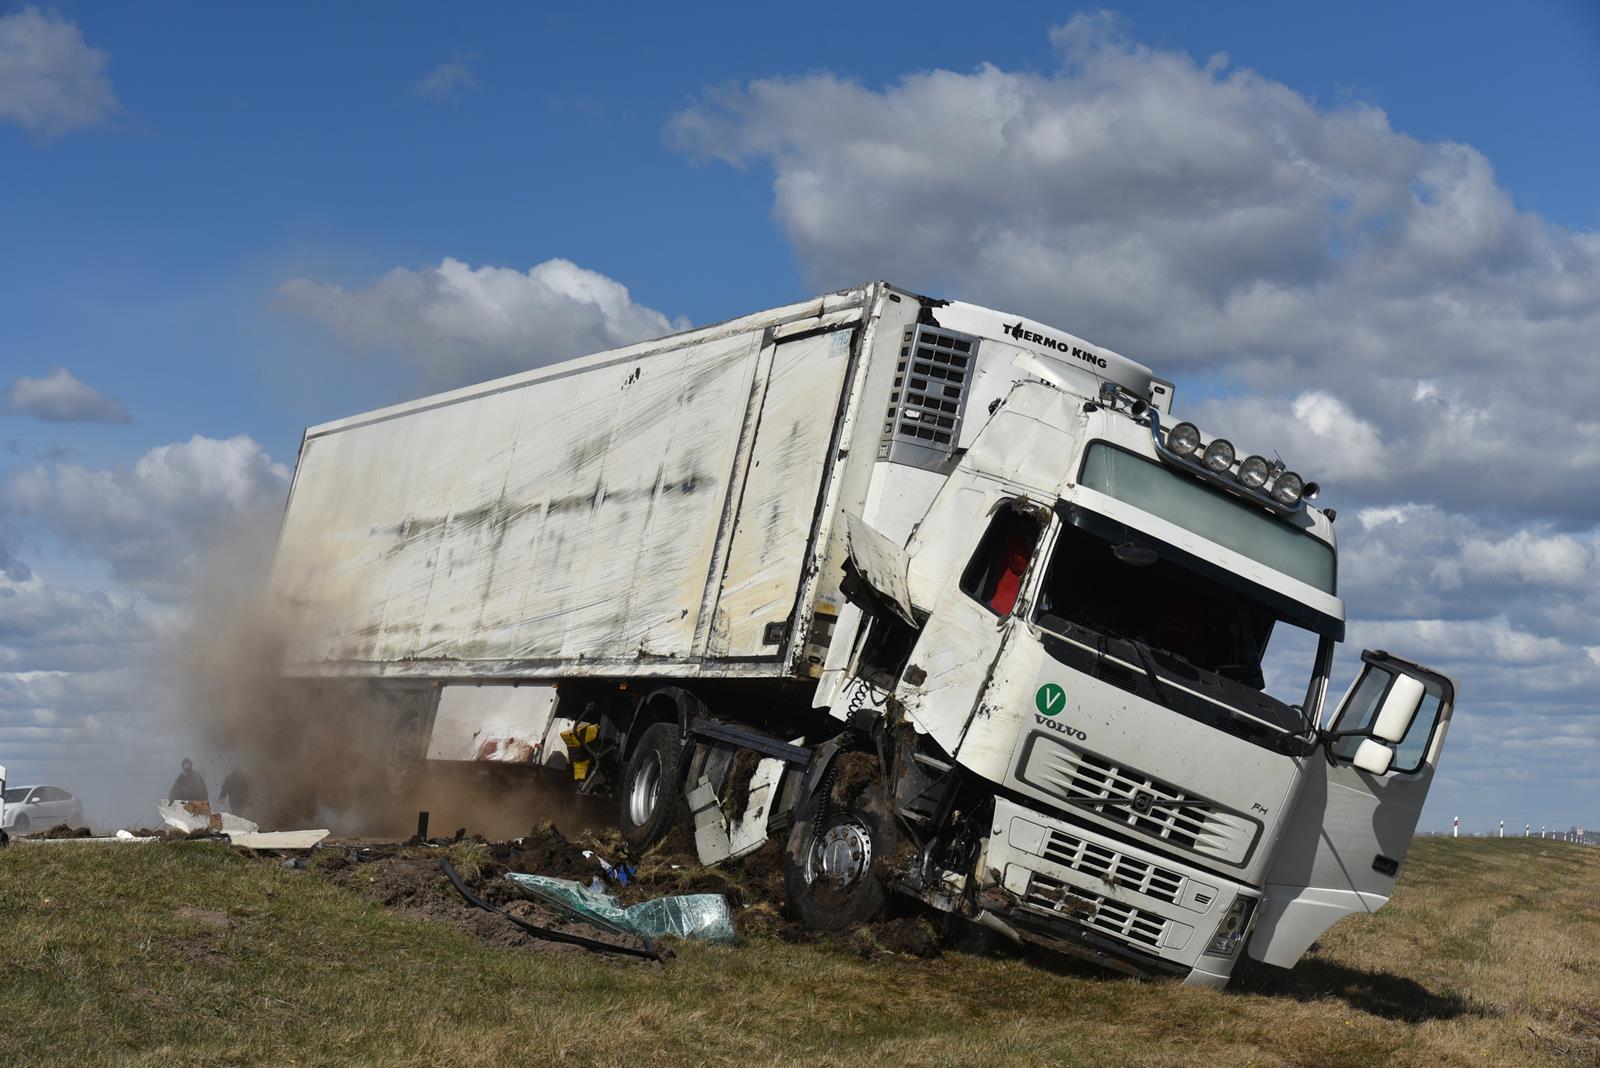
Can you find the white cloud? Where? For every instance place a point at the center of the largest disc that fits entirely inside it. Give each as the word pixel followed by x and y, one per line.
pixel 152 522
pixel 59 397
pixel 447 79
pixel 1207 219
pixel 51 81
pixel 455 324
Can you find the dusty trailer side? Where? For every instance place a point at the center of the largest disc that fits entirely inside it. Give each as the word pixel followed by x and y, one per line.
pixel 658 510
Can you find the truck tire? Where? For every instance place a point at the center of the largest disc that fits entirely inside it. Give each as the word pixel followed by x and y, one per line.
pixel 649 801
pixel 842 848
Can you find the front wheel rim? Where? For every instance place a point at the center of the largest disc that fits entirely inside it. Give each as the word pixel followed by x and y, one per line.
pixel 841 854
pixel 645 791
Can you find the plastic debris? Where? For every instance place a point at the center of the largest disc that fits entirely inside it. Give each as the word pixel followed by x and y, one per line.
pixel 704 916
pixel 617 873
pixel 192 816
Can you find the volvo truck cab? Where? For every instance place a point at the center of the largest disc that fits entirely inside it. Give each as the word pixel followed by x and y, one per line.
pixel 1110 644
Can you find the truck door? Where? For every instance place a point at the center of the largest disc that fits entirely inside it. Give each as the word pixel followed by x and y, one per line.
pixel 1360 798
pixel 958 645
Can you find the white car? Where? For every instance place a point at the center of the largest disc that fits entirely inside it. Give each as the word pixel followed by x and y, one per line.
pixel 38 808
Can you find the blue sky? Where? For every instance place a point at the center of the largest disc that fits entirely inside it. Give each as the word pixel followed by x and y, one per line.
pixel 202 237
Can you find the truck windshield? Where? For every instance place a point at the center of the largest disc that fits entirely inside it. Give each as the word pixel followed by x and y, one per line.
pixel 1214 516
pixel 1146 617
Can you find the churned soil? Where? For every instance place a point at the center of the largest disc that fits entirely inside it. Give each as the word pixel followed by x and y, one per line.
pixel 407 878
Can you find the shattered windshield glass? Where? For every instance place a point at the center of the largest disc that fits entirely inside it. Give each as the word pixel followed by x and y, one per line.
pixel 1123 607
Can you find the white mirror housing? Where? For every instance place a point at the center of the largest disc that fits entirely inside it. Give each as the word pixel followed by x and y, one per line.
pixel 1373 757
pixel 1399 708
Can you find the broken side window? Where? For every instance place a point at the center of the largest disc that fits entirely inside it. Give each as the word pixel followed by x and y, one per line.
pixel 993 577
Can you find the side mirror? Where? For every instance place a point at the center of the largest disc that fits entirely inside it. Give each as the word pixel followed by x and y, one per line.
pixel 1399 708
pixel 1373 757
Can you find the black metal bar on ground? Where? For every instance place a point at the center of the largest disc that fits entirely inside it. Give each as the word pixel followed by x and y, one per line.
pixel 745 738
pixel 649 952
pixel 422 826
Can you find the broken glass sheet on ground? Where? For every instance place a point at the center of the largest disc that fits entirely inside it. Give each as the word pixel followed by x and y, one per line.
pixel 704 916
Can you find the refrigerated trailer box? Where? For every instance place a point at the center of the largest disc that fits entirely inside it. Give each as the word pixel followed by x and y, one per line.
pixel 954 544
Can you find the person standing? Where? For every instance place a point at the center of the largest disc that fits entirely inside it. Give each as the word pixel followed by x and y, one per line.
pixel 235 793
pixel 188 786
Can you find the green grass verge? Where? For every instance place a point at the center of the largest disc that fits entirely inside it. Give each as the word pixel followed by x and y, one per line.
pixel 187 953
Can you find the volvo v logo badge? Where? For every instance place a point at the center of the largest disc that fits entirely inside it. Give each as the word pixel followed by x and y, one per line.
pixel 1051 701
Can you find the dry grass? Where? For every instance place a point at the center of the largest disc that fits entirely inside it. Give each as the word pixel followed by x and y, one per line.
pixel 187 954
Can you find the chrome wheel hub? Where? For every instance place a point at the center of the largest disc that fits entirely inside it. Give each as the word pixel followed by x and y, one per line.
pixel 841 854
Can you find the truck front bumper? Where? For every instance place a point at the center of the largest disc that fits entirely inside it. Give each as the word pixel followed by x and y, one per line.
pixel 1062 885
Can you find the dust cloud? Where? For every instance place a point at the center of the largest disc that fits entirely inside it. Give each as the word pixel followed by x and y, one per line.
pixel 315 751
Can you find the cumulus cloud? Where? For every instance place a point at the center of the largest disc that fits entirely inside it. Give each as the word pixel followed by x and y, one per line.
pixel 51 81
pixel 59 397
pixel 455 324
pixel 447 79
pixel 152 521
pixel 1208 220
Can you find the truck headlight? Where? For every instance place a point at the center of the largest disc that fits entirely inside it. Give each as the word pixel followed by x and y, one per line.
pixel 1287 490
pixel 1183 439
pixel 1219 455
pixel 1231 931
pixel 1253 472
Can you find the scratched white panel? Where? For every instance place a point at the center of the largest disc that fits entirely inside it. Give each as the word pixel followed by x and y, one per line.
pixel 573 516
pixel 778 506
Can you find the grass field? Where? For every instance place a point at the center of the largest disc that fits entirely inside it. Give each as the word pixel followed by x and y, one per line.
pixel 187 953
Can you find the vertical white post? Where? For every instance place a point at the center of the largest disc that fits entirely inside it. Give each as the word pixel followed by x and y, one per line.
pixel 1527 830
pixel 1502 828
pixel 2 795
pixel 1455 828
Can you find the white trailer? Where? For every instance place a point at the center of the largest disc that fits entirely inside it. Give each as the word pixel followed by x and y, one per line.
pixel 991 633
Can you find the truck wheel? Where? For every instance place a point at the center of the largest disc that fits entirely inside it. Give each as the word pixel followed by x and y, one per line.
pixel 836 867
pixel 650 802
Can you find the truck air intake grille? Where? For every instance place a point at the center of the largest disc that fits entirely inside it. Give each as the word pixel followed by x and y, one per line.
pixel 931 382
pixel 1137 801
pixel 1096 912
pixel 1116 868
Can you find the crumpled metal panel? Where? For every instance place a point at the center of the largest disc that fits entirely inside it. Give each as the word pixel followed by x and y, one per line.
pixel 880 562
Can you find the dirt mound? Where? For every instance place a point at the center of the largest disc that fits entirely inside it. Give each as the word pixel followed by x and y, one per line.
pixel 906 936
pixel 407 878
pixel 63 830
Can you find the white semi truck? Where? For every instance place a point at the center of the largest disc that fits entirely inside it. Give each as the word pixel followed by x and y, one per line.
pixel 938 593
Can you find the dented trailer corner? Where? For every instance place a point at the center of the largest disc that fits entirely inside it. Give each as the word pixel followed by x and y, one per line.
pixel 933 593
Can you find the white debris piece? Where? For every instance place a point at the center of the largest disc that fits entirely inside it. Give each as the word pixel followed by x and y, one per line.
pixel 194 816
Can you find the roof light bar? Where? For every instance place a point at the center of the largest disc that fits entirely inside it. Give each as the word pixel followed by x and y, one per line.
pixel 1255 478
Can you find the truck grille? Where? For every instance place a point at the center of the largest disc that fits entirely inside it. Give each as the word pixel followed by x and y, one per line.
pixel 1116 868
pixel 1169 815
pixel 1096 912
